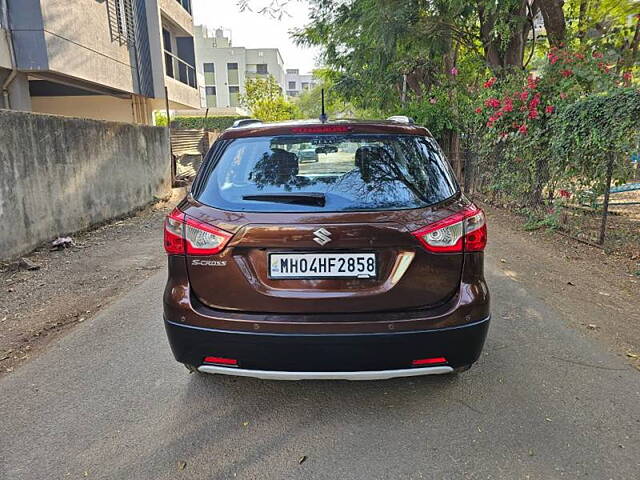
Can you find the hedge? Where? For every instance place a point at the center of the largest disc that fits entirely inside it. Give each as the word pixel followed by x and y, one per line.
pixel 210 123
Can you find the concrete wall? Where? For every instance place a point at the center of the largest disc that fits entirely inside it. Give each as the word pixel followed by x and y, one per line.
pixel 59 175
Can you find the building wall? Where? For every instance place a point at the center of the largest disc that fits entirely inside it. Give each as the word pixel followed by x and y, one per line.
pixel 299 80
pixel 5 55
pixel 78 43
pixel 98 107
pixel 209 50
pixel 72 38
pixel 18 91
pixel 59 175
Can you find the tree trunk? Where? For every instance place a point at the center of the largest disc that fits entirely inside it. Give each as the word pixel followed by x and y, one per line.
pixel 540 180
pixel 554 21
pixel 503 53
pixel 582 18
pixel 605 205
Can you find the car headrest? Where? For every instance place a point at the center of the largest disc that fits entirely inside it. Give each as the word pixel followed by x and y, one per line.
pixel 284 163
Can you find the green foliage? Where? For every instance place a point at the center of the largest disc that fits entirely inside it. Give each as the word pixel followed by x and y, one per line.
pixel 534 222
pixel 593 130
pixel 432 61
pixel 309 103
pixel 208 123
pixel 521 114
pixel 160 119
pixel 264 99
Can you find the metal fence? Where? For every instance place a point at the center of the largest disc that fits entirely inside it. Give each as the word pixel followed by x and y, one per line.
pixel 611 220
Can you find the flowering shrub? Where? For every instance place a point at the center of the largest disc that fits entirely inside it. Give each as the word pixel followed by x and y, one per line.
pixel 517 115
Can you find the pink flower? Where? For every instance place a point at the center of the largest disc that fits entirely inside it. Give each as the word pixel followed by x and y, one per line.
pixel 565 194
pixel 524 95
pixel 489 83
pixel 492 102
pixel 523 129
pixel 627 76
pixel 533 114
pixel 433 100
pixel 478 110
pixel 549 109
pixel 454 71
pixel 535 101
pixel 566 73
pixel 563 95
pixel 597 55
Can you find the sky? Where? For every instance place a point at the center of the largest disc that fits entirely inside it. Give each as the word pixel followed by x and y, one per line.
pixel 253 30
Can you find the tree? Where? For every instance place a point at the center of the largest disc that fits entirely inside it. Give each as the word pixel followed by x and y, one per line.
pixel 264 99
pixel 309 103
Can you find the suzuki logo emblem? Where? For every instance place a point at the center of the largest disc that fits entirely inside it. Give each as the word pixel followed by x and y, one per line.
pixel 322 236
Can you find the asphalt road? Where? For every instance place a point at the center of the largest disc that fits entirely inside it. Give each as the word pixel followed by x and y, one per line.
pixel 108 401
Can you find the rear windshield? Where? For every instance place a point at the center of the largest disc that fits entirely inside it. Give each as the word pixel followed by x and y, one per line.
pixel 329 173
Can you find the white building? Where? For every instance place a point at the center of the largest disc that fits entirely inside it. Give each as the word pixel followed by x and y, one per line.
pixel 225 68
pixel 108 59
pixel 296 83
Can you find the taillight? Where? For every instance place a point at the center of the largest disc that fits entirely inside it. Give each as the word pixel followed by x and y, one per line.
pixel 221 361
pixel 186 235
pixel 463 231
pixel 174 233
pixel 428 361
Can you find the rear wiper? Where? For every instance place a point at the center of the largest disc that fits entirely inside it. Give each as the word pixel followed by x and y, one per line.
pixel 316 199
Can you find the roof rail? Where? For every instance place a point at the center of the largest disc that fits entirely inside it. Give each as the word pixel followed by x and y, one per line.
pixel 243 122
pixel 401 119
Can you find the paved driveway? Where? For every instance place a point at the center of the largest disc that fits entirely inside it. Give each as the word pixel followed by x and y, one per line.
pixel 108 401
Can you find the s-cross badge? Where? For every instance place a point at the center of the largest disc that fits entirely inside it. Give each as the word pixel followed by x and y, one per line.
pixel 322 236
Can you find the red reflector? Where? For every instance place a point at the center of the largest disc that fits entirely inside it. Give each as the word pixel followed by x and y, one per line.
pixel 322 129
pixel 429 361
pixel 221 360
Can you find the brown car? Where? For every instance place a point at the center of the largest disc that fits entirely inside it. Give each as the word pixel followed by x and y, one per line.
pixel 364 264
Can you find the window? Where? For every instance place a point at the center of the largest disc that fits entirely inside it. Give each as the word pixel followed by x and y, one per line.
pixel 232 74
pixel 168 58
pixel 120 13
pixel 211 96
pixel 305 86
pixel 292 85
pixel 353 172
pixel 209 74
pixel 186 4
pixel 262 69
pixel 234 96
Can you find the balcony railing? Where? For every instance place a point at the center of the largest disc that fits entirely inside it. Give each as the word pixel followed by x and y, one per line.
pixel 186 4
pixel 180 70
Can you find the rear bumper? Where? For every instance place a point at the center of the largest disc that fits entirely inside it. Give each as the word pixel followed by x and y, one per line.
pixel 280 355
pixel 366 375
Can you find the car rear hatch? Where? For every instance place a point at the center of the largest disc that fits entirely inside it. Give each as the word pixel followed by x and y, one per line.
pixel 384 268
pixel 334 235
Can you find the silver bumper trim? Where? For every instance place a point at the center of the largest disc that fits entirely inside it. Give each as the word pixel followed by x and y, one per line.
pixel 364 375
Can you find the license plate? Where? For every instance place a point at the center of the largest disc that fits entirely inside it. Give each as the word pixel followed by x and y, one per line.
pixel 322 265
